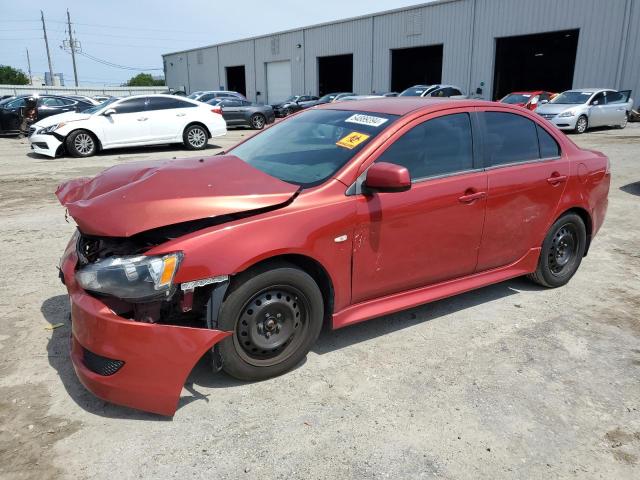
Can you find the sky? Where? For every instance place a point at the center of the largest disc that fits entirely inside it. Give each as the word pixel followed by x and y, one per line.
pixel 136 33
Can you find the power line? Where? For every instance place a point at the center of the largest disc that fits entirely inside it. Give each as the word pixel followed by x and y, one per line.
pixel 114 65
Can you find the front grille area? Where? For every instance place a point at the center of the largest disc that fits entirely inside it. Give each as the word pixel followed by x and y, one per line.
pixel 101 365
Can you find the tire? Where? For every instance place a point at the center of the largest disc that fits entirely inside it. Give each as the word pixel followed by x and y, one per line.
pixel 257 121
pixel 287 111
pixel 276 314
pixel 195 137
pixel 81 144
pixel 562 252
pixel 624 122
pixel 582 124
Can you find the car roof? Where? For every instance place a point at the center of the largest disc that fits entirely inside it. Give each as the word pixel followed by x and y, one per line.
pixel 403 105
pixel 589 90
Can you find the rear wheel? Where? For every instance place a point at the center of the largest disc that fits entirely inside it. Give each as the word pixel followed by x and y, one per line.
pixel 258 121
pixel 582 124
pixel 562 252
pixel 275 314
pixel 195 137
pixel 81 143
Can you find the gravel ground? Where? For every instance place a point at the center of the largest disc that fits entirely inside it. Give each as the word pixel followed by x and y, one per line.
pixel 510 381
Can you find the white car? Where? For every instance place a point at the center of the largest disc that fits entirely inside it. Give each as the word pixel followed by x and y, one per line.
pixel 128 122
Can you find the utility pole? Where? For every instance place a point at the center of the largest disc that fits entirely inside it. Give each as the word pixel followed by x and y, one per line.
pixel 46 43
pixel 73 49
pixel 29 64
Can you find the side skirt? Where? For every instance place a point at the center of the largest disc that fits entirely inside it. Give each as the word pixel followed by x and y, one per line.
pixel 412 298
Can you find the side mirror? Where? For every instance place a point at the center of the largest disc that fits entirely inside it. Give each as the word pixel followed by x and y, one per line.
pixel 542 102
pixel 109 111
pixel 387 177
pixel 595 102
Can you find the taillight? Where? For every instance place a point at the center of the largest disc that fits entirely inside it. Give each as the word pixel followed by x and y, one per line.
pixel 217 110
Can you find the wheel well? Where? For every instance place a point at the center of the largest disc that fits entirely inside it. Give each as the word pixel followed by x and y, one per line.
pixel 200 124
pixel 64 142
pixel 588 223
pixel 314 269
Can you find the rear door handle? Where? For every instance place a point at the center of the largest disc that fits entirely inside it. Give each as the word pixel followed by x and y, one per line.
pixel 472 197
pixel 142 119
pixel 556 179
pixel 181 114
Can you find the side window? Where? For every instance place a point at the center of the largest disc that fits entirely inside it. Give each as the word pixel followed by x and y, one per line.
pixel 66 101
pixel 454 92
pixel 161 103
pixel 615 97
pixel 598 98
pixel 245 103
pixel 549 148
pixel 131 106
pixel 439 93
pixel 439 146
pixel 51 102
pixel 510 138
pixel 207 96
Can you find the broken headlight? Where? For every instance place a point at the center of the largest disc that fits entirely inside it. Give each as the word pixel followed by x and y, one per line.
pixel 52 128
pixel 136 278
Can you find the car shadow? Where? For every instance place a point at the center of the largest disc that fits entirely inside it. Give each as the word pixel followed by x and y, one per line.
pixel 632 188
pixel 171 147
pixel 56 311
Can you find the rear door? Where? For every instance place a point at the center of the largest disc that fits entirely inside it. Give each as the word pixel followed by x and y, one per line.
pixel 527 174
pixel 166 117
pixel 11 114
pixel 430 233
pixel 617 107
pixel 232 111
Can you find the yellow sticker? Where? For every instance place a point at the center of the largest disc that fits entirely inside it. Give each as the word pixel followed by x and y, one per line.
pixel 352 140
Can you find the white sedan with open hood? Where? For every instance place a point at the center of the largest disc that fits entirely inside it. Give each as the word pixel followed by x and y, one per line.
pixel 128 122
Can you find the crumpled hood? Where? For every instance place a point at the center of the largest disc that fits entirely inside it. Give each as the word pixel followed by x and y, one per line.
pixel 61 117
pixel 135 197
pixel 556 108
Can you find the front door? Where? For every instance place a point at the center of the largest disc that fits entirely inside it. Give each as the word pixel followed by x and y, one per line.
pixel 129 125
pixel 527 174
pixel 430 233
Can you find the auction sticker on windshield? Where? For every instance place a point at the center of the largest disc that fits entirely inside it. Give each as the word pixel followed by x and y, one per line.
pixel 368 120
pixel 352 140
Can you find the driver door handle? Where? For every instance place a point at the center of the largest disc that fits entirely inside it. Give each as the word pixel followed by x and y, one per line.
pixel 181 114
pixel 142 119
pixel 472 197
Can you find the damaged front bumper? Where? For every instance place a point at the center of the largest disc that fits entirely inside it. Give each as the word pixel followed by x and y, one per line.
pixel 45 144
pixel 126 362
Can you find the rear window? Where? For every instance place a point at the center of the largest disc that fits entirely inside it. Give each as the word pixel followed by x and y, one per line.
pixel 515 98
pixel 309 148
pixel 416 91
pixel 549 148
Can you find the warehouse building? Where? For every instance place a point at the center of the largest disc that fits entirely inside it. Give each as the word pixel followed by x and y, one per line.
pixel 487 47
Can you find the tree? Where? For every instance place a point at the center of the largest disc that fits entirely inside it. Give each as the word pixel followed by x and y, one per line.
pixel 144 80
pixel 12 76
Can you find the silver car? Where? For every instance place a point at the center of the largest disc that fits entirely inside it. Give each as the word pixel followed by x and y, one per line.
pixel 205 96
pixel 437 91
pixel 585 108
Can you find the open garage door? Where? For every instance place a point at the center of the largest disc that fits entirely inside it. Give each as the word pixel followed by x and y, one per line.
pixel 416 66
pixel 236 79
pixel 543 61
pixel 278 81
pixel 335 74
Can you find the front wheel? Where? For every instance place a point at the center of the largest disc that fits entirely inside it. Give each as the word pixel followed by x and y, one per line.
pixel 582 124
pixel 562 252
pixel 275 314
pixel 258 121
pixel 81 143
pixel 195 137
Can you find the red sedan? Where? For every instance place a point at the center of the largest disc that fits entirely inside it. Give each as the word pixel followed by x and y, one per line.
pixel 339 214
pixel 528 100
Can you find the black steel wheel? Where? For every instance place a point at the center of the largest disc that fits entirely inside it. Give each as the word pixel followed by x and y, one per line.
pixel 258 121
pixel 275 313
pixel 562 251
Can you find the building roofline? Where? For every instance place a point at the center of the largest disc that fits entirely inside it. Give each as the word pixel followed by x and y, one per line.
pixel 316 25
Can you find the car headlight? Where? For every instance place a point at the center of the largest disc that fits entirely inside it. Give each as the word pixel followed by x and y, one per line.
pixel 138 277
pixel 568 113
pixel 52 128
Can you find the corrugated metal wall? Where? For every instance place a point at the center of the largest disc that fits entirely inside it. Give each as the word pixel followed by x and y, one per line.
pixel 608 52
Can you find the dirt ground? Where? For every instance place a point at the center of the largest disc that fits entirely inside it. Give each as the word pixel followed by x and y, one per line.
pixel 511 381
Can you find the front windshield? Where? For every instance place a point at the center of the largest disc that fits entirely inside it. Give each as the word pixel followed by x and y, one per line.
pixel 416 91
pixel 293 98
pixel 327 98
pixel 572 98
pixel 194 95
pixel 312 146
pixel 101 106
pixel 515 98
